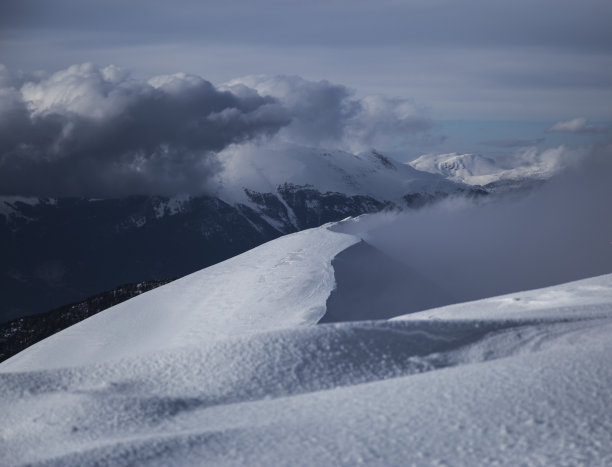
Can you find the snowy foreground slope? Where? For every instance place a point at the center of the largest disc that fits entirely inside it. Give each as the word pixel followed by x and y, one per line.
pixel 224 367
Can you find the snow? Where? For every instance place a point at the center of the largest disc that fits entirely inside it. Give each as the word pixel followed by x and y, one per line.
pixel 587 298
pixel 282 283
pixel 263 169
pixel 171 206
pixel 7 203
pixel 476 169
pixel 226 367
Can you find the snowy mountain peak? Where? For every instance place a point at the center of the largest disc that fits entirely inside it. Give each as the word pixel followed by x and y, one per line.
pixel 476 169
pixel 368 174
pixel 473 169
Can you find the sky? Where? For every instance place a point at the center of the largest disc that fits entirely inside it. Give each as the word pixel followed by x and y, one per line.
pixel 407 77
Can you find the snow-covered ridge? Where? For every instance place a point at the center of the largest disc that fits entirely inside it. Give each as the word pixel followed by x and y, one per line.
pixel 7 203
pixel 467 168
pixel 583 299
pixel 476 169
pixel 370 174
pixel 280 284
pixel 284 283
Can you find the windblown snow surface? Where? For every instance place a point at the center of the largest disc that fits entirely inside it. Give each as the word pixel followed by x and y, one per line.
pixel 227 367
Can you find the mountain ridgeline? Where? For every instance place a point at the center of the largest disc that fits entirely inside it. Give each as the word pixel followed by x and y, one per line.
pixel 58 251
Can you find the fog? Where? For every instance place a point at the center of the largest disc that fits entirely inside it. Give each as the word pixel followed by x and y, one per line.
pixel 474 249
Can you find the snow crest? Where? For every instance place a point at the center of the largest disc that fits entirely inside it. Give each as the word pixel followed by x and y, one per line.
pixel 280 284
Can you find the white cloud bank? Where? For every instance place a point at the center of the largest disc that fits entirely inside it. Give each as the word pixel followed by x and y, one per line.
pixel 577 126
pixel 92 131
pixel 329 115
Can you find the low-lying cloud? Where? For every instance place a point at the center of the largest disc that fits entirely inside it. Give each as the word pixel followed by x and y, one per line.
pixel 577 126
pixel 558 233
pixel 92 131
pixel 512 143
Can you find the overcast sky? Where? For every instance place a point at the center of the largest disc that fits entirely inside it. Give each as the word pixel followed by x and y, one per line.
pixel 473 76
pixel 474 59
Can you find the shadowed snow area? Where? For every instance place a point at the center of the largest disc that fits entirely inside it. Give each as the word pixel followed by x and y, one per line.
pixel 227 367
pixel 370 285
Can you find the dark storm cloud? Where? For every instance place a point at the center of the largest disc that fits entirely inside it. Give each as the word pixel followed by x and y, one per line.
pixel 320 109
pixel 329 115
pixel 95 131
pixel 90 131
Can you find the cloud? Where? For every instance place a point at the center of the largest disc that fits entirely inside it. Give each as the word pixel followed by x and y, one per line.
pixel 91 131
pixel 515 60
pixel 577 126
pixel 473 249
pixel 512 143
pixel 330 115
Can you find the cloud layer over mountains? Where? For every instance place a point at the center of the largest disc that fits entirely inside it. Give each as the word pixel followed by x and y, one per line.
pixel 91 131
pixel 560 232
pixel 578 126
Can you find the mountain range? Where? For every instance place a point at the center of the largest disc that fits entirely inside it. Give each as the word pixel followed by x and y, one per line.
pixel 58 251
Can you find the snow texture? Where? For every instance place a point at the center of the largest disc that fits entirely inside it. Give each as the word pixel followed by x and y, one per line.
pixel 224 367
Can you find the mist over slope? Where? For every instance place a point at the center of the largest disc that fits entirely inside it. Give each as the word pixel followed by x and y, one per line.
pixel 472 249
